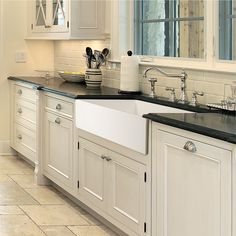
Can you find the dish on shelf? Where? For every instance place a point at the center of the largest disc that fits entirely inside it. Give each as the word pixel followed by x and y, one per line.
pixel 75 77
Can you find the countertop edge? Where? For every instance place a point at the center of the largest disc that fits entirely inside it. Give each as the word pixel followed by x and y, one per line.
pixel 192 127
pixel 141 97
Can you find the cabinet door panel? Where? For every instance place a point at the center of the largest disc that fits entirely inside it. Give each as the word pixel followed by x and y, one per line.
pixel 92 172
pixel 58 148
pixel 59 15
pixel 127 191
pixel 193 188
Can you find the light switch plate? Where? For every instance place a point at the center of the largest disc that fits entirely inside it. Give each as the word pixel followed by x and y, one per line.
pixel 20 57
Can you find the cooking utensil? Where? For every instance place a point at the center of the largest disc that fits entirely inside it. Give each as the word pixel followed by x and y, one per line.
pixel 101 60
pixel 97 55
pixel 105 52
pixel 89 53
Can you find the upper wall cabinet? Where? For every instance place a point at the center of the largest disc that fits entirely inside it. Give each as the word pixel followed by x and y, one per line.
pixel 66 19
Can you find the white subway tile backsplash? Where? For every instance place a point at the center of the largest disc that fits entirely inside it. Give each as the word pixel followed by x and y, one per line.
pixel 69 56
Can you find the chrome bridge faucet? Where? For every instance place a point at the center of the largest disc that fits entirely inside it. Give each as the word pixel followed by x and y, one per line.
pixel 183 76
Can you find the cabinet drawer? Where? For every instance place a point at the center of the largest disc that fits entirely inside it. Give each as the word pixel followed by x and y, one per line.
pixel 25 141
pixel 25 114
pixel 59 106
pixel 22 92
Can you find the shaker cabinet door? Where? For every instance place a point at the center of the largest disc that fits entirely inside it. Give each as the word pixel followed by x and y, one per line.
pixel 192 192
pixel 92 172
pixel 58 148
pixel 127 190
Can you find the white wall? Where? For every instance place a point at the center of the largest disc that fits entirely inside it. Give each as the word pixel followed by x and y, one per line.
pixel 68 55
pixel 13 20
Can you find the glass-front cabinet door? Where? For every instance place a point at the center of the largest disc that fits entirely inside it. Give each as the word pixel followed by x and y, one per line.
pixel 60 21
pixel 41 13
pixel 50 16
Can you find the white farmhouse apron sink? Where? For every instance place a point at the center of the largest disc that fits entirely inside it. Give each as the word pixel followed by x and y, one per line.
pixel 119 121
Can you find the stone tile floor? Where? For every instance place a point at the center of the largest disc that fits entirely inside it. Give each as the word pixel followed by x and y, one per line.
pixel 30 210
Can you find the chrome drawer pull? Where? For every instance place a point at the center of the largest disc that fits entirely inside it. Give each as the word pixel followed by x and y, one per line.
pixel 19 110
pixel 58 107
pixel 190 146
pixel 19 91
pixel 19 136
pixel 58 121
pixel 108 159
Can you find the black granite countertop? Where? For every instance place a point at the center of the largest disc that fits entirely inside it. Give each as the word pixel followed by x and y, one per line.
pixel 215 125
pixel 202 121
pixel 80 91
pixel 72 90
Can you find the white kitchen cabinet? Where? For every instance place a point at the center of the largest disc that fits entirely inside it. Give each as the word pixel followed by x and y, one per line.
pixel 114 183
pixel 66 19
pixel 92 175
pixel 192 186
pixel 58 142
pixel 23 119
pixel 127 191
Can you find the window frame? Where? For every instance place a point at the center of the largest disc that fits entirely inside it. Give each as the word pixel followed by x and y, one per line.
pixel 122 39
pixel 173 20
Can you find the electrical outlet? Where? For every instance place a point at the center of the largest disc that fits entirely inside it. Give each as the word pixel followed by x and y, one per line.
pixel 20 57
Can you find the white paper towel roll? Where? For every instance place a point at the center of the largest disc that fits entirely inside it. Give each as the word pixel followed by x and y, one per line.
pixel 129 81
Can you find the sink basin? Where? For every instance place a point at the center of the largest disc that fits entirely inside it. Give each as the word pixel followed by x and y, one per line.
pixel 119 121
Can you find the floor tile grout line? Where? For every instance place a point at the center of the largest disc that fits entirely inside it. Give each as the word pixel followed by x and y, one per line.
pixel 32 221
pixel 70 230
pixel 65 201
pixel 26 193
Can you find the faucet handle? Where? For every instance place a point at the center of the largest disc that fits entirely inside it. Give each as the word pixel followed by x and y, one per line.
pixel 170 89
pixel 152 81
pixel 194 97
pixel 172 93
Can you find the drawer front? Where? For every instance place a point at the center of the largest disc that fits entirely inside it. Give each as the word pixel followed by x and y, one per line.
pixel 25 141
pixel 59 106
pixel 25 114
pixel 22 92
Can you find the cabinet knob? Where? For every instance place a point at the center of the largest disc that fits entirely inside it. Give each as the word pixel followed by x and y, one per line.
pixel 19 91
pixel 58 121
pixel 19 136
pixel 19 110
pixel 108 158
pixel 58 107
pixel 190 146
pixel 103 157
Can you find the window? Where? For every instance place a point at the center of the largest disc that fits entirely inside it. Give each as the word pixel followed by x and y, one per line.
pixel 173 28
pixel 227 29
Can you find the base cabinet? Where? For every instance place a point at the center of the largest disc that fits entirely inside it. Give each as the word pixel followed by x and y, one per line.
pixel 191 187
pixel 113 183
pixel 57 140
pixel 23 119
